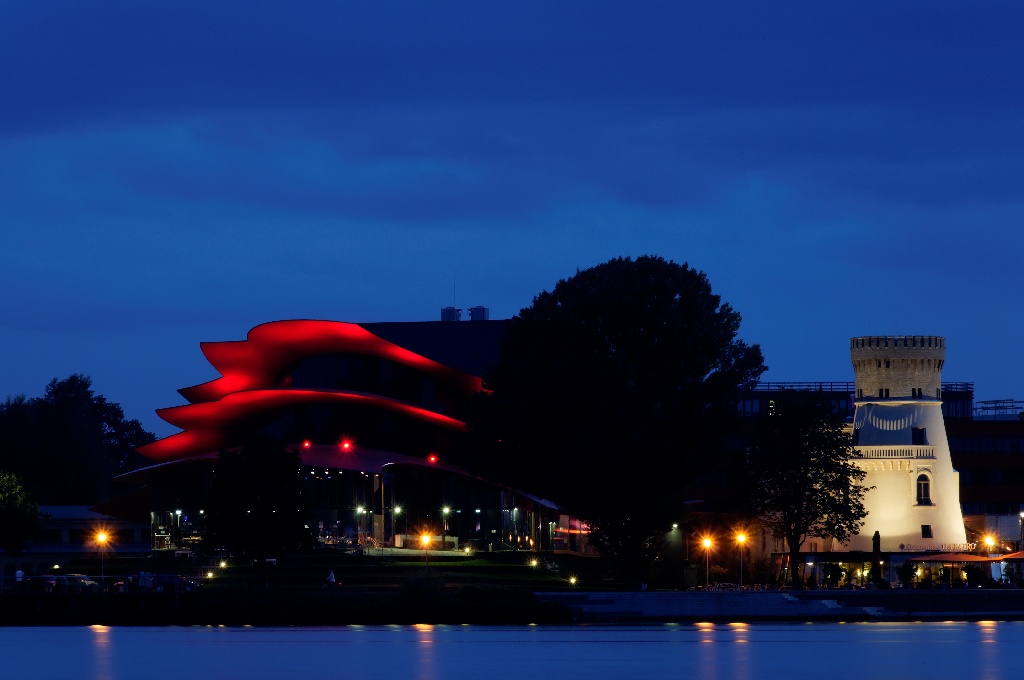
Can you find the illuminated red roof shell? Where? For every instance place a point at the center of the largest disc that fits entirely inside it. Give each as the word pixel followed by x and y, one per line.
pixel 250 371
pixel 270 348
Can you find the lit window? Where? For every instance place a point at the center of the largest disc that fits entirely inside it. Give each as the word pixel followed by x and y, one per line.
pixel 924 490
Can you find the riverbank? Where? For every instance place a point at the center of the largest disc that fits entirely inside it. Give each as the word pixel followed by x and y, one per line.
pixel 812 605
pixel 417 601
pixel 427 601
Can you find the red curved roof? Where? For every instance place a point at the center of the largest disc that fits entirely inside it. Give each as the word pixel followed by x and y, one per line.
pixel 251 368
pixel 270 348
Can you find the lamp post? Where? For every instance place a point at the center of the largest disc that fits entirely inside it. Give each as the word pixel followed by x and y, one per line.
pixel 444 514
pixel 707 561
pixel 425 540
pixel 1020 544
pixel 394 529
pixel 360 534
pixel 101 540
pixel 741 538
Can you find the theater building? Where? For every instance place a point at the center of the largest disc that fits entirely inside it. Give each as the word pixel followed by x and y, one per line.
pixel 372 410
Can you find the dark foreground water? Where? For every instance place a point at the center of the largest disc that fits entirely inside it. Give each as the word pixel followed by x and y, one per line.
pixel 926 651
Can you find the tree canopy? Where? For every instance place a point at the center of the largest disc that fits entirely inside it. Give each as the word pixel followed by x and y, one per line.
pixel 803 481
pixel 69 443
pixel 19 516
pixel 611 393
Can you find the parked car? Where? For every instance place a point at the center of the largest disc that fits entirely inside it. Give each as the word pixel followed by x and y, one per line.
pixel 75 583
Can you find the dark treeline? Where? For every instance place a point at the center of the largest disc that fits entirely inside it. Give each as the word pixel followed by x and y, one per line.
pixel 66 445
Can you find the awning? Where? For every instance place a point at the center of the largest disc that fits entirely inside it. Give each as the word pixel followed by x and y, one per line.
pixel 1012 557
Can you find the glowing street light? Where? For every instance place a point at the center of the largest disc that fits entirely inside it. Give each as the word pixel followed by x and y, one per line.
pixel 397 512
pixel 1020 546
pixel 425 541
pixel 706 542
pixel 102 538
pixel 741 538
pixel 444 513
pixel 360 511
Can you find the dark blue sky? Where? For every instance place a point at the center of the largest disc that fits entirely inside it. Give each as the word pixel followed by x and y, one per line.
pixel 178 172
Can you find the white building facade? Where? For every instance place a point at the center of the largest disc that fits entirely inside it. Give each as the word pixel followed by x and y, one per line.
pixel 900 442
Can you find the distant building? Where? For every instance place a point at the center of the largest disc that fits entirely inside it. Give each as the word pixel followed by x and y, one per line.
pixel 988 450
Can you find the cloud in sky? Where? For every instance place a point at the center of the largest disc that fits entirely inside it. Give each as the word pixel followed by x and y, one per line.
pixel 178 172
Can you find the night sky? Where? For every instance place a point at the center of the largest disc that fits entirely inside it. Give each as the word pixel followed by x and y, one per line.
pixel 175 172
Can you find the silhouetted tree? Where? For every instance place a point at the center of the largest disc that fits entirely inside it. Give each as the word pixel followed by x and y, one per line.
pixel 68 444
pixel 256 507
pixel 803 481
pixel 611 393
pixel 19 516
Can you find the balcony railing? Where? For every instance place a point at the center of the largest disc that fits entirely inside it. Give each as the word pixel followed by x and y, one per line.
pixel 913 452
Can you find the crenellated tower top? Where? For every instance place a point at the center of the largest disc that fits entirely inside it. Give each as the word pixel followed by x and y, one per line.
pixel 898 366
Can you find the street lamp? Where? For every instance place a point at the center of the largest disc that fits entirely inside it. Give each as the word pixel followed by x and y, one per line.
pixel 707 560
pixel 1020 545
pixel 425 540
pixel 101 540
pixel 741 538
pixel 444 513
pixel 396 512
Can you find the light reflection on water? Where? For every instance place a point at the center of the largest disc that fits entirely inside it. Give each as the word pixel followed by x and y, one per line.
pixel 984 649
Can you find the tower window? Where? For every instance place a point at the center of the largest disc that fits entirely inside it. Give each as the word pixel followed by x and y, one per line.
pixel 924 490
pixel 917 437
pixel 926 531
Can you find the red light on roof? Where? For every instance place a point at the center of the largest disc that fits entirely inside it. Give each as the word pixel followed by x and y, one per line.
pixel 432 458
pixel 306 443
pixel 346 445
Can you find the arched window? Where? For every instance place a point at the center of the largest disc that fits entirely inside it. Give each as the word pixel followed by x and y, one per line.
pixel 924 490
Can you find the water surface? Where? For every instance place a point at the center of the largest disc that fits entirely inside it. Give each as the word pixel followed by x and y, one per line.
pixel 985 650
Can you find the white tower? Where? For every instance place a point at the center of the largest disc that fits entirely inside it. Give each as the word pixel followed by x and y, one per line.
pixel 899 439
